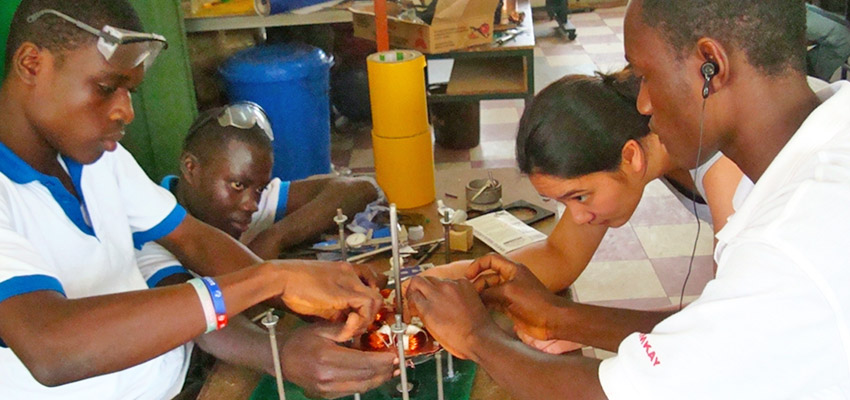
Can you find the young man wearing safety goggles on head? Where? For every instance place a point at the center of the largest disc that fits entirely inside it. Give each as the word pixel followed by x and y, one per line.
pixel 226 182
pixel 75 318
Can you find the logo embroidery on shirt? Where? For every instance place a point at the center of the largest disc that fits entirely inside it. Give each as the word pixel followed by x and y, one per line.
pixel 649 352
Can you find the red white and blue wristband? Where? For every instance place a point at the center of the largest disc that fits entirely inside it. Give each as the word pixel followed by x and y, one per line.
pixel 218 301
pixel 206 303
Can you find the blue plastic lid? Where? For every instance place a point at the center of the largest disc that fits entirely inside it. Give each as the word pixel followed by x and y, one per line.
pixel 275 63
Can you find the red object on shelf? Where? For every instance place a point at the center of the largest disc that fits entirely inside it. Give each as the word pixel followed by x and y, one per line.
pixel 382 37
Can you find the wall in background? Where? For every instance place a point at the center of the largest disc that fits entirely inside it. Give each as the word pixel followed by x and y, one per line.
pixel 7 10
pixel 165 104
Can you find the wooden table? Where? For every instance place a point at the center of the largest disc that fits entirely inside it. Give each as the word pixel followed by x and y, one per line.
pixel 228 382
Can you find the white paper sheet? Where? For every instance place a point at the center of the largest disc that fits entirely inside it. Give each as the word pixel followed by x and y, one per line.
pixel 503 232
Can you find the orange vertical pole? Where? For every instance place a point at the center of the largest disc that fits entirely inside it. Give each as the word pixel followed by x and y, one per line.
pixel 381 35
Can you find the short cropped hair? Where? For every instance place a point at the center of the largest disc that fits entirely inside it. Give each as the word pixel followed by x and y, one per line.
pixel 206 137
pixel 56 34
pixel 772 33
pixel 579 124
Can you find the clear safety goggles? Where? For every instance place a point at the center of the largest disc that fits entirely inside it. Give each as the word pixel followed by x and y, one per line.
pixel 120 47
pixel 242 115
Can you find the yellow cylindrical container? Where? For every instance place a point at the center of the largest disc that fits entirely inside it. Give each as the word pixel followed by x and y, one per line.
pixel 404 168
pixel 220 8
pixel 397 93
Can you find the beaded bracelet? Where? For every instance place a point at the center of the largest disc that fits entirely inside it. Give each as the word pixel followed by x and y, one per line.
pixel 217 300
pixel 206 303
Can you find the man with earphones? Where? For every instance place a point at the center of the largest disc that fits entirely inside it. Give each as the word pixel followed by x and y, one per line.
pixel 717 75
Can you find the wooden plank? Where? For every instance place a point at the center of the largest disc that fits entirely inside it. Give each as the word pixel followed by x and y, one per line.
pixel 487 75
pixel 256 21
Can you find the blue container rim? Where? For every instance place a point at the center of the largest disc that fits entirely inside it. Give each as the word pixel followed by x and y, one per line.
pixel 275 63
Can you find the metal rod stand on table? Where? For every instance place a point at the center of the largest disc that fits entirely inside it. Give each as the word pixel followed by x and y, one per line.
pixel 439 361
pixel 446 221
pixel 340 219
pixel 270 321
pixel 399 327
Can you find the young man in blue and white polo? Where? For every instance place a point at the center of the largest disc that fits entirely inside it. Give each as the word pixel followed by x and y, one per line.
pixel 75 319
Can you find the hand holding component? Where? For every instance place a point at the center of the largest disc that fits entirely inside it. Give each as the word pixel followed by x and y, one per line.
pixel 369 277
pixel 451 311
pixel 514 290
pixel 331 290
pixel 324 369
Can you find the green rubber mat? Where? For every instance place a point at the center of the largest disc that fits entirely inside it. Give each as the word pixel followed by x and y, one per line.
pixel 423 377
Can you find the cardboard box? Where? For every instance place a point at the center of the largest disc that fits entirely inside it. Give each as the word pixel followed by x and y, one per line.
pixel 457 24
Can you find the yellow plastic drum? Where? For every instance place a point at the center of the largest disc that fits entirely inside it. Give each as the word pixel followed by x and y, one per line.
pixel 404 168
pixel 397 93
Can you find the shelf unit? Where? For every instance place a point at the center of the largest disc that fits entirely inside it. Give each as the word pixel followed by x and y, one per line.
pixel 327 16
pixel 492 71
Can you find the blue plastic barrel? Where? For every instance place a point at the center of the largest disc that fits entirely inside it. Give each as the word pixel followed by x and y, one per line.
pixel 291 82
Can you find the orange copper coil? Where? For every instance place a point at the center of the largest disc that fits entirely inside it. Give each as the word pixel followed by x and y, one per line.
pixel 416 341
pixel 377 340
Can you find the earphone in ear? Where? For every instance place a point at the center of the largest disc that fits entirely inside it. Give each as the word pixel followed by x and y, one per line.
pixel 708 69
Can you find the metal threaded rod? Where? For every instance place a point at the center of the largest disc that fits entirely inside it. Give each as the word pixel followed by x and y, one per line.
pixel 447 227
pixel 396 261
pixel 340 219
pixel 398 329
pixel 439 359
pixel 270 321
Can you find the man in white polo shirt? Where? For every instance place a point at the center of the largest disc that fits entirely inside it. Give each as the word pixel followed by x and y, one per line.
pixel 76 320
pixel 717 75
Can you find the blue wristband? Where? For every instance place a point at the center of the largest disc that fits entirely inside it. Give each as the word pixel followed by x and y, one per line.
pixel 216 295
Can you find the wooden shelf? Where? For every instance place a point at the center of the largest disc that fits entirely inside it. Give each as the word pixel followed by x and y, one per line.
pixel 491 71
pixel 474 77
pixel 327 16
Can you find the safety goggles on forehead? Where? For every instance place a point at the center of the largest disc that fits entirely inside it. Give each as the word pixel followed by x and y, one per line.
pixel 120 47
pixel 242 115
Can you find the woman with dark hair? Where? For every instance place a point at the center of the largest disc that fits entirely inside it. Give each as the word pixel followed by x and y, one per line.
pixel 583 143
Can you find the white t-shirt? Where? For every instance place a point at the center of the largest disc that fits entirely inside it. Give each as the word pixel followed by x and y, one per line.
pixel 49 240
pixel 702 209
pixel 157 263
pixel 775 323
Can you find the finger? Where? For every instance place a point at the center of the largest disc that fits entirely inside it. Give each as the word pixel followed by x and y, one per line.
pixel 485 280
pixel 561 347
pixel 422 284
pixel 506 269
pixel 368 276
pixel 524 337
pixel 382 281
pixel 495 297
pixel 406 312
pixel 364 299
pixel 404 285
pixel 533 331
pixel 355 324
pixel 416 303
pixel 478 266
